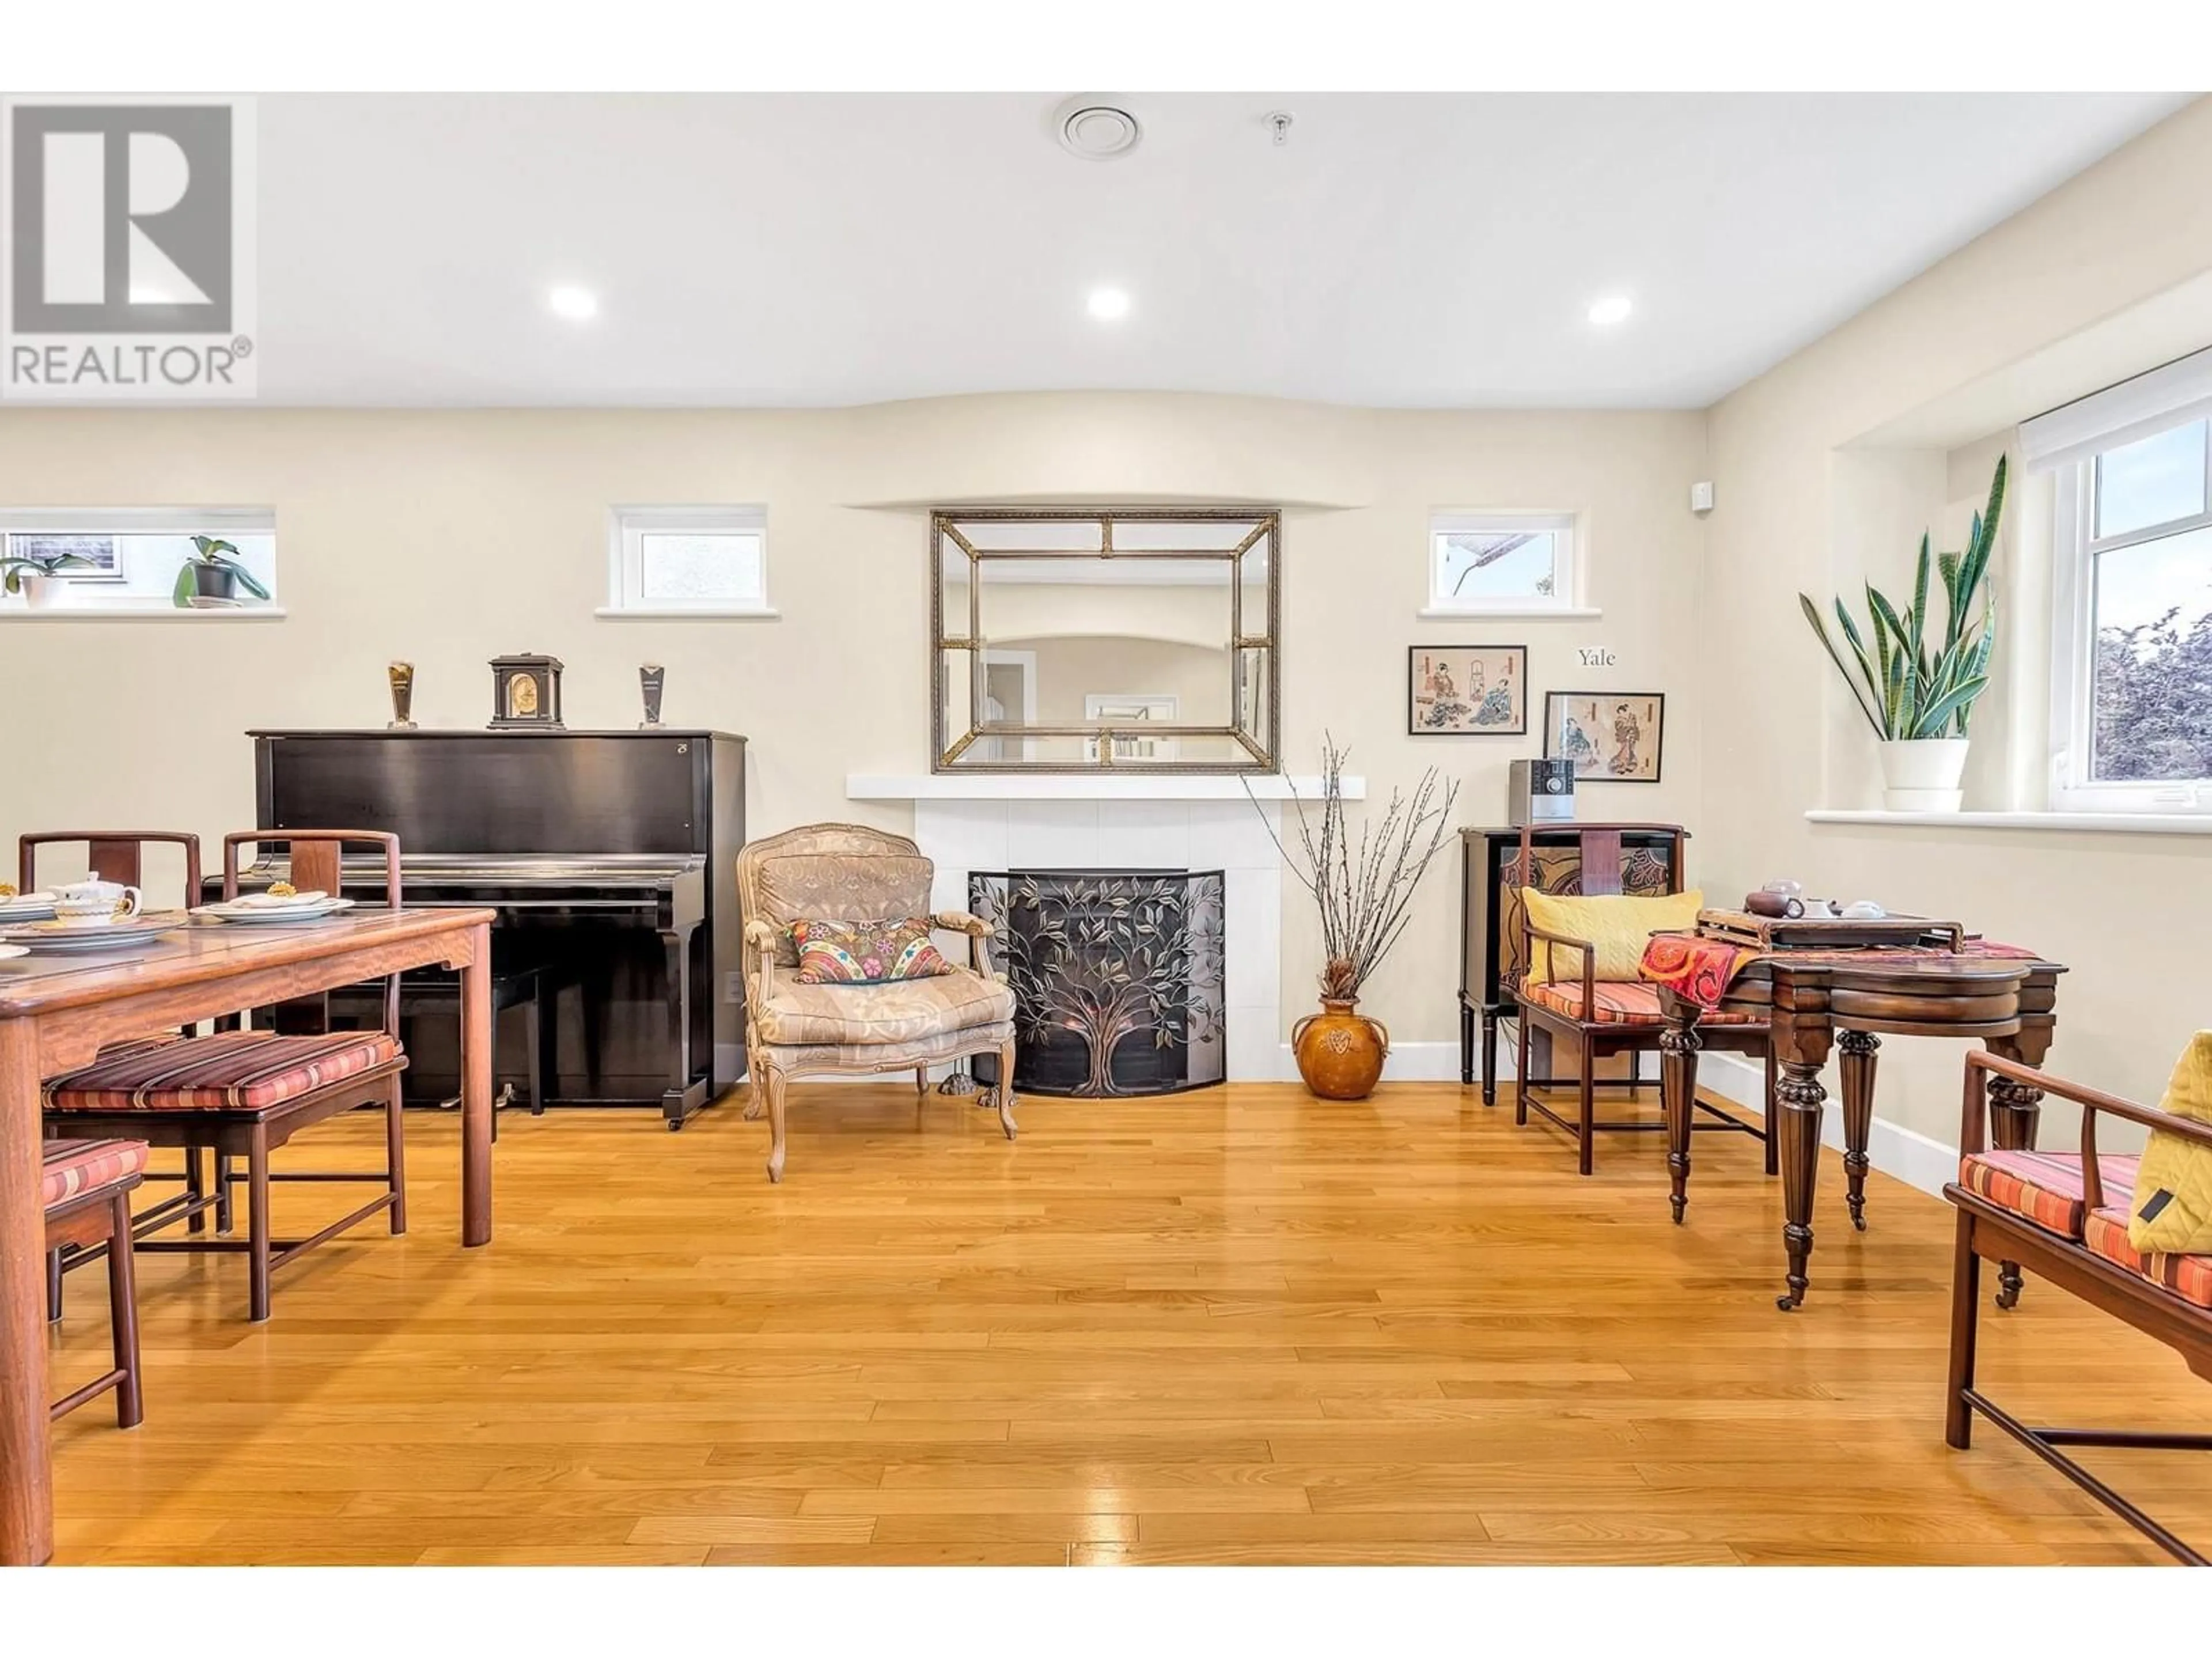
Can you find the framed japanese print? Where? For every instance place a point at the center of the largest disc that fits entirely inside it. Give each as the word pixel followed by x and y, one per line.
pixel 1612 737
pixel 1466 690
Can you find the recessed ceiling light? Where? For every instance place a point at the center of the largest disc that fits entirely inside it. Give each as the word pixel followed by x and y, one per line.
pixel 576 304
pixel 1613 308
pixel 1109 304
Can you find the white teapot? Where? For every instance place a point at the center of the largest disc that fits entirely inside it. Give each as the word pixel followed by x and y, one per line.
pixel 96 903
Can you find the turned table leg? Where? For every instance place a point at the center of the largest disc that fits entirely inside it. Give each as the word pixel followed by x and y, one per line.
pixel 1855 1061
pixel 1798 1097
pixel 1678 1093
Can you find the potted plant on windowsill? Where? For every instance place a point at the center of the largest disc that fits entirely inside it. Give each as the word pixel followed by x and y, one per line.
pixel 1363 890
pixel 1919 693
pixel 37 576
pixel 213 575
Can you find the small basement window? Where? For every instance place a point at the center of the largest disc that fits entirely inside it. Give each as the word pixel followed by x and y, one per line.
pixel 124 561
pixel 688 561
pixel 1502 565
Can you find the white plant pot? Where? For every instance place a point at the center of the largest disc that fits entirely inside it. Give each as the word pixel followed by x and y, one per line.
pixel 1921 775
pixel 43 592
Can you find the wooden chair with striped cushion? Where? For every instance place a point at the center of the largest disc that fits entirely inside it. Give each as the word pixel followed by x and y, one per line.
pixel 2065 1216
pixel 119 856
pixel 243 1094
pixel 86 1191
pixel 1589 1019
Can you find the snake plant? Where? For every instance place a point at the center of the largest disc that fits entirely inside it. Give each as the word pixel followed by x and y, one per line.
pixel 1910 685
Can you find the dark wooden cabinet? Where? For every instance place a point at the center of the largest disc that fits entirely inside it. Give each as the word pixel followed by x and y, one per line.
pixel 1565 858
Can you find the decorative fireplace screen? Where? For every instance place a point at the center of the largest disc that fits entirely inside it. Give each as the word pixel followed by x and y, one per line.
pixel 1117 977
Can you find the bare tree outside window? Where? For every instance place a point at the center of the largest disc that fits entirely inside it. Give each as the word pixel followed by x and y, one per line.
pixel 2154 700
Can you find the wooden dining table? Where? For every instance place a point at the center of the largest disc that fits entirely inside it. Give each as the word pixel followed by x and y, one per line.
pixel 58 1010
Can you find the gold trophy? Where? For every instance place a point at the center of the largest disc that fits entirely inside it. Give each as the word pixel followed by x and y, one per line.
pixel 402 676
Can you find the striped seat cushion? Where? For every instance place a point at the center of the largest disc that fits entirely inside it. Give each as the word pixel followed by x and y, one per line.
pixel 2045 1188
pixel 2190 1277
pixel 74 1167
pixel 1623 1002
pixel 232 1071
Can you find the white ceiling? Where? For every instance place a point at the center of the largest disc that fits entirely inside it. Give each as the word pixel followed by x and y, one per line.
pixel 1399 250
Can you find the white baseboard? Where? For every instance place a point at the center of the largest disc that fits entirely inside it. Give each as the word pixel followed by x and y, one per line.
pixel 1905 1154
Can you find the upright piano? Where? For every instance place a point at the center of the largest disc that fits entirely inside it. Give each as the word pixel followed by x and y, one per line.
pixel 611 858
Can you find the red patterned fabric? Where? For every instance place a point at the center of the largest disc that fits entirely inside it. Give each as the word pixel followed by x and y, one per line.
pixel 1696 969
pixel 1621 1002
pixel 1700 969
pixel 2046 1188
pixel 2189 1277
pixel 232 1070
pixel 75 1167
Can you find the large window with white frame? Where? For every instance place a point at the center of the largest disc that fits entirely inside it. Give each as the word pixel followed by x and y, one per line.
pixel 687 561
pixel 63 561
pixel 1490 564
pixel 2131 705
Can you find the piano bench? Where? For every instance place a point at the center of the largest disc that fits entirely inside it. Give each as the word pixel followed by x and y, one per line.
pixel 528 988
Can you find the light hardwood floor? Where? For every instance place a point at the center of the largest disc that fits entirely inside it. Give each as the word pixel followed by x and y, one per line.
pixel 1237 1326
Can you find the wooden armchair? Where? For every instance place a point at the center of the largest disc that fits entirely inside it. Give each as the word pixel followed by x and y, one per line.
pixel 2065 1216
pixel 847 872
pixel 243 1094
pixel 1591 1019
pixel 87 1186
pixel 116 855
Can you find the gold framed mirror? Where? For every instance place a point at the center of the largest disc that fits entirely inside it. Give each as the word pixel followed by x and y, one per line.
pixel 1104 639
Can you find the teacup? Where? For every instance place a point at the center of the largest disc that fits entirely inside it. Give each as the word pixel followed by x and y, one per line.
pixel 96 903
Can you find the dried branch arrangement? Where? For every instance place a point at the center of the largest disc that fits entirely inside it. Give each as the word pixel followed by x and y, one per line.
pixel 1364 886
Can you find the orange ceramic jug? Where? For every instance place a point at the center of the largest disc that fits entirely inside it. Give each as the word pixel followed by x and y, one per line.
pixel 1340 1051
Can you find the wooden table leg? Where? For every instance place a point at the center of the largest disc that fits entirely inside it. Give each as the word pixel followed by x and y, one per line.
pixel 2015 1116
pixel 1798 1097
pixel 476 1089
pixel 1678 1093
pixel 27 1493
pixel 1856 1054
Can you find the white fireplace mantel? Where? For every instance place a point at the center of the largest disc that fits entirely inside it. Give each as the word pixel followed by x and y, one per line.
pixel 1087 786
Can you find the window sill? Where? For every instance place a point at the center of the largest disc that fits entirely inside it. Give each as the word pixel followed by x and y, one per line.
pixel 686 613
pixel 2125 823
pixel 161 612
pixel 1510 613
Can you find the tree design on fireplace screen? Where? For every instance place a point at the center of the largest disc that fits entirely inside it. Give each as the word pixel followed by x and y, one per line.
pixel 1117 975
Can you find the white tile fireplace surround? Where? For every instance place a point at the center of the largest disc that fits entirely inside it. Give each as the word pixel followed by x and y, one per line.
pixel 1006 821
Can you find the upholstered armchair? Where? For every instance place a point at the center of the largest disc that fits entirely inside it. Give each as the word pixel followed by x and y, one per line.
pixel 845 872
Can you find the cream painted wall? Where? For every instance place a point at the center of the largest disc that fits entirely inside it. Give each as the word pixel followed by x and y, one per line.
pixel 447 539
pixel 1809 496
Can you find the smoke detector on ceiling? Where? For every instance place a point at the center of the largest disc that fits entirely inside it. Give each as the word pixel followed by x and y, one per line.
pixel 1096 128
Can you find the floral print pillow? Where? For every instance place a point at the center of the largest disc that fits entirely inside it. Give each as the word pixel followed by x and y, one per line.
pixel 866 952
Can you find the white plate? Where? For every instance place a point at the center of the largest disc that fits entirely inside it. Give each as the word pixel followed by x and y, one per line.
pixel 281 900
pixel 109 936
pixel 26 907
pixel 7 951
pixel 264 915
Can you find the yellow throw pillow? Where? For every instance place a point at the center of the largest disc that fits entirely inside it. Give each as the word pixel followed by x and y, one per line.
pixel 2172 1210
pixel 1617 925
